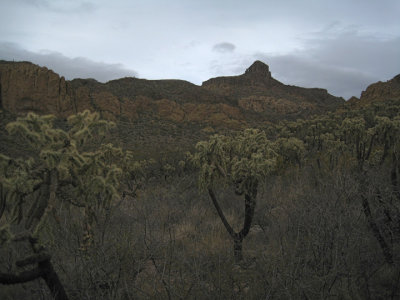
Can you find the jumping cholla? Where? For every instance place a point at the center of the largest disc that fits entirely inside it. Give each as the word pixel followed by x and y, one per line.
pixel 240 162
pixel 71 167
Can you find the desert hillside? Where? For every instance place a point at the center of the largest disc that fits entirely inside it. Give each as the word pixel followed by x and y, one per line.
pixel 230 102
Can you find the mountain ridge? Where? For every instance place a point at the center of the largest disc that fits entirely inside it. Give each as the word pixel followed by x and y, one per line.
pixel 231 102
pixel 160 117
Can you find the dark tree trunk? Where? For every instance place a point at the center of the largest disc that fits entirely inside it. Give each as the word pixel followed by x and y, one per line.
pixel 2 200
pixel 43 270
pixel 26 276
pixel 249 207
pixel 250 204
pixel 53 282
pixel 393 177
pixel 40 257
pixel 387 252
pixel 237 249
pixel 228 227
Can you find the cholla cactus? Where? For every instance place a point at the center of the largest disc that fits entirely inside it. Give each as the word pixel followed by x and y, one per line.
pixel 291 151
pixel 372 147
pixel 240 162
pixel 63 167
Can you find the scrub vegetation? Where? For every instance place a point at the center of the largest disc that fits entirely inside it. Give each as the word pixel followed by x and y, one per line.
pixel 307 209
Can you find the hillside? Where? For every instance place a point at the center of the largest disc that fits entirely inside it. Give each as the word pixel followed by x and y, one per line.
pixel 164 116
pixel 378 92
pixel 230 102
pixel 305 208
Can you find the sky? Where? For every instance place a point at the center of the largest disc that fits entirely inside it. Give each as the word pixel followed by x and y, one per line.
pixel 340 45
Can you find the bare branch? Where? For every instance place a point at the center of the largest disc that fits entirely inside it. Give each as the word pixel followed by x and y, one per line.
pixel 33 259
pixel 22 277
pixel 221 214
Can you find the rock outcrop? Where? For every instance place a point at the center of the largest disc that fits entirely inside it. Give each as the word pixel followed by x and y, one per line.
pixel 224 101
pixel 258 70
pixel 256 90
pixel 381 91
pixel 377 92
pixel 27 87
pixel 257 75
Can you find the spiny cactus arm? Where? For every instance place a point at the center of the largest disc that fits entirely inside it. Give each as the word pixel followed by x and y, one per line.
pixel 86 125
pixel 36 130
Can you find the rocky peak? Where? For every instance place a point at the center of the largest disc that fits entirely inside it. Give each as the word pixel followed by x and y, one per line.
pixel 257 74
pixel 258 69
pixel 381 91
pixel 28 87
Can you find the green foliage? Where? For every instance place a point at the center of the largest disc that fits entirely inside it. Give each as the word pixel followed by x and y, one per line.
pixel 241 160
pixel 61 167
pixel 310 236
pixel 387 132
pixel 291 150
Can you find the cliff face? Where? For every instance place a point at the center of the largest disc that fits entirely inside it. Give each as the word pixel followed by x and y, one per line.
pixel 256 90
pixel 381 91
pixel 27 87
pixel 225 101
pixel 378 92
pixel 257 76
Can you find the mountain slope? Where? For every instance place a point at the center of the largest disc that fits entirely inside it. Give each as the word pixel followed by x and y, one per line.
pixel 380 91
pixel 256 90
pixel 231 102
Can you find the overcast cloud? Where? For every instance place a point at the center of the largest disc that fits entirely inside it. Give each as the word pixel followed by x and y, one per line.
pixel 70 68
pixel 224 47
pixel 344 63
pixel 62 6
pixel 341 45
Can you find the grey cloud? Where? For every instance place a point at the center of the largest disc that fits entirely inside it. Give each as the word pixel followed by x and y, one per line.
pixel 70 68
pixel 300 71
pixel 63 6
pixel 348 62
pixel 224 47
pixel 344 63
pixel 350 49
